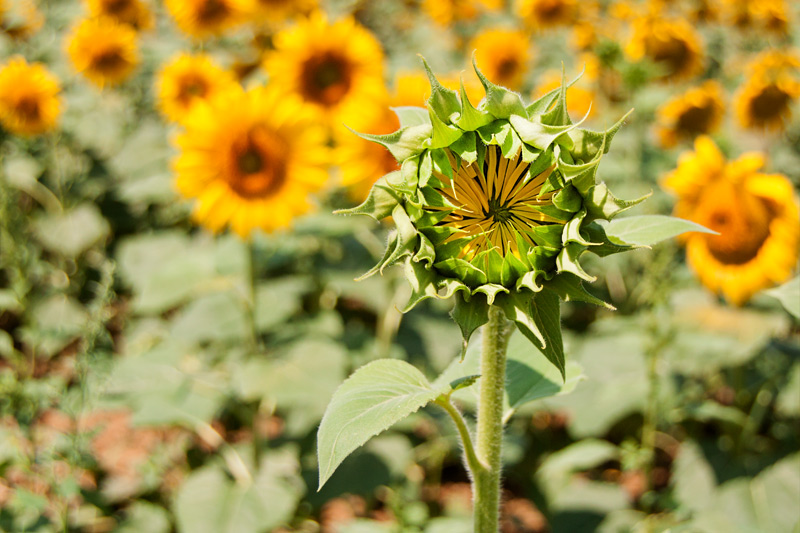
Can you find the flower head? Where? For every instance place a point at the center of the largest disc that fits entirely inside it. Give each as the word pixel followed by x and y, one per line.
pixel 495 205
pixel 755 215
pixel 672 44
pixel 20 19
pixel 696 112
pixel 29 101
pixel 545 14
pixel 103 50
pixel 188 79
pixel 448 12
pixel 250 160
pixel 206 18
pixel 134 13
pixel 503 55
pixel 278 11
pixel 765 99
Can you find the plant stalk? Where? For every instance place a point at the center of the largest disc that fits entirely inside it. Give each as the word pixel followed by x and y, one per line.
pixel 486 479
pixel 250 309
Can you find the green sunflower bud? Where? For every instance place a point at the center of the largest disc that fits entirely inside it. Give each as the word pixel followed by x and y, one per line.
pixel 495 205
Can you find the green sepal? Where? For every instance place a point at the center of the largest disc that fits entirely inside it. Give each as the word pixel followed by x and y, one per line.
pixel 600 203
pixel 379 204
pixel 422 280
pixel 572 230
pixel 442 135
pixel 391 244
pixel 463 270
pixel 441 163
pixel 568 261
pixel 491 290
pixel 513 268
pixel 530 281
pixel 529 153
pixel 558 115
pixel 500 102
pixel 502 134
pixel 540 135
pixel 587 143
pixel 409 172
pixel 469 314
pixel 442 101
pixel 426 250
pixel 404 143
pixel 568 199
pixel 605 246
pixel 411 116
pixel 465 147
pixel 406 238
pixel 471 118
pixel 553 211
pixel 547 235
pixel 493 264
pixel 425 169
pixel 570 289
pixel 546 101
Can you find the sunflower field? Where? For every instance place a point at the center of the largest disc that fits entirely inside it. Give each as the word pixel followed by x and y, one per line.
pixel 184 287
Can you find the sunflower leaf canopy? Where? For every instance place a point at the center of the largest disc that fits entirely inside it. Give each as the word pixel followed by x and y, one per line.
pixel 495 204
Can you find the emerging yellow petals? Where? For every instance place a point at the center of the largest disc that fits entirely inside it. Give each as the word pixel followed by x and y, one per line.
pixel 335 68
pixel 188 79
pixel 29 101
pixel 250 160
pixel 696 112
pixel 103 50
pixel 134 13
pixel 765 99
pixel 503 56
pixel 755 214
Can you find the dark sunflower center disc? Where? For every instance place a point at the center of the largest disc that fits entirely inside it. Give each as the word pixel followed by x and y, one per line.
pixel 258 163
pixel 770 102
pixel 326 78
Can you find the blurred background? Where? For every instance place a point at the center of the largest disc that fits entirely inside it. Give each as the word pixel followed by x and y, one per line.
pixel 165 362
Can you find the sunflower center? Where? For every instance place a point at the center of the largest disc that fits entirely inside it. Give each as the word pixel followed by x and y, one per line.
pixel 110 60
pixel 696 120
pixel 672 52
pixel 117 7
pixel 770 102
pixel 29 109
pixel 192 86
pixel 741 219
pixel 326 78
pixel 212 11
pixel 550 10
pixel 258 163
pixel 507 67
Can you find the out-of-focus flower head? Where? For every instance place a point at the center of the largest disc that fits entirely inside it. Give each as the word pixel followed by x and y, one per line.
pixel 103 50
pixel 20 19
pixel 135 13
pixel 335 68
pixel 503 55
pixel 29 101
pixel 755 215
pixel 696 112
pixel 547 14
pixel 671 43
pixel 251 160
pixel 188 79
pixel 448 12
pixel 770 15
pixel 206 18
pixel 276 12
pixel 494 204
pixel 772 85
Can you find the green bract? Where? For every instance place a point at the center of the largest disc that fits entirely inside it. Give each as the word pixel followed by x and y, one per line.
pixel 495 205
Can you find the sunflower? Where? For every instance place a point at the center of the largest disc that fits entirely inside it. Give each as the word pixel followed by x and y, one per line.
pixel 362 162
pixel 188 79
pixel 765 99
pixel 335 68
pixel 29 102
pixel 544 14
pixel 21 19
pixel 770 15
pixel 447 12
pixel 495 204
pixel 503 55
pixel 134 13
pixel 579 100
pixel 755 215
pixel 673 44
pixel 250 159
pixel 205 18
pixel 277 11
pixel 103 50
pixel 697 111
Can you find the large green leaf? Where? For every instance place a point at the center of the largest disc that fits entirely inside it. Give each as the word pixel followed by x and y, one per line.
pixel 646 230
pixel 375 397
pixel 72 232
pixel 788 294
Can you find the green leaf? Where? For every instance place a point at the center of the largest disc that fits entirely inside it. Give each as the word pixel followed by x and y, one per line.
pixel 600 203
pixel 539 135
pixel 570 288
pixel 412 116
pixel 375 397
pixel 404 143
pixel 587 143
pixel 788 294
pixel 500 102
pixel 422 281
pixel 73 232
pixel 646 230
pixel 379 204
pixel 546 313
pixel 469 315
pixel 693 478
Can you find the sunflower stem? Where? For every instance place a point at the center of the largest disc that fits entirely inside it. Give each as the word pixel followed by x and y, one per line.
pixel 486 478
pixel 251 296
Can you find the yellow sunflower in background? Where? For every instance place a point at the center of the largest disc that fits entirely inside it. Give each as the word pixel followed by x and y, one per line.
pixel 134 13
pixel 336 68
pixel 771 15
pixel 503 56
pixel 188 79
pixel 673 44
pixel 103 50
pixel 755 214
pixel 579 99
pixel 414 88
pixel 29 101
pixel 277 11
pixel 20 19
pixel 765 99
pixel 361 162
pixel 447 12
pixel 544 14
pixel 696 112
pixel 206 18
pixel 251 160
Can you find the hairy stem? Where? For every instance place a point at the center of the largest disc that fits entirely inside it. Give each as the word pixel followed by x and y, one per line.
pixel 466 439
pixel 486 482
